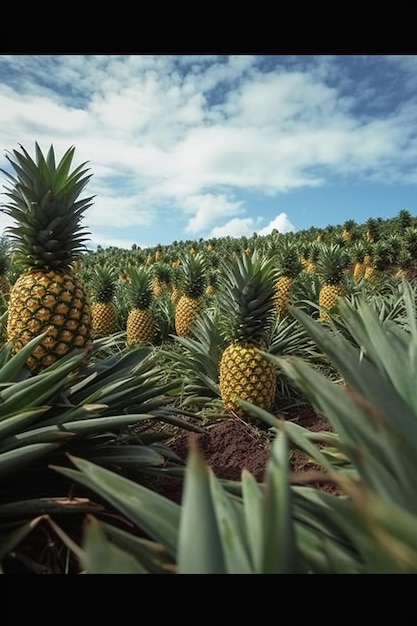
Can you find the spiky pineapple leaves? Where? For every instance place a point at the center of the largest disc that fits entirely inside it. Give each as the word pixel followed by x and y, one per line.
pixel 214 531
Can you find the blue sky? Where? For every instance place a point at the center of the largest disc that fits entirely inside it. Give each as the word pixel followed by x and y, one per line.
pixel 188 147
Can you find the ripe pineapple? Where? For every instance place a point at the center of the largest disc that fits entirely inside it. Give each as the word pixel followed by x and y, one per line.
pixel 331 265
pixel 175 284
pixel 246 300
pixel 161 281
pixel 289 266
pixel 193 282
pixel 348 230
pixel 158 254
pixel 103 286
pixel 5 285
pixel 358 254
pixel 313 255
pixel 372 229
pixel 212 281
pixel 140 324
pixel 43 199
pixel 381 260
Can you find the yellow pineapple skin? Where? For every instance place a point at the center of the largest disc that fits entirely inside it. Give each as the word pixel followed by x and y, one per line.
pixel 159 288
pixel 175 295
pixel 359 271
pixel 283 291
pixel 186 312
pixel 328 297
pixel 104 318
pixel 246 374
pixel 370 273
pixel 140 326
pixel 5 285
pixel 53 302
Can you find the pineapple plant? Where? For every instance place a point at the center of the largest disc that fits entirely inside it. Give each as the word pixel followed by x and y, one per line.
pixel 103 287
pixel 381 257
pixel 175 283
pixel 313 255
pixel 348 230
pixel 331 265
pixel 140 325
pixel 410 241
pixel 161 281
pixel 404 220
pixel 289 267
pixel 193 282
pixel 246 300
pixel 404 264
pixel 358 253
pixel 372 229
pixel 212 281
pixel 5 285
pixel 47 238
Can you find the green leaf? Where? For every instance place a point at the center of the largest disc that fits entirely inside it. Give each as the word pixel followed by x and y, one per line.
pixel 154 514
pixel 103 557
pixel 200 549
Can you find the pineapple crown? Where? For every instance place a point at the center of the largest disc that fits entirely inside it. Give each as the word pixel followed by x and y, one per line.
pixel 332 263
pixel 246 298
pixel 43 201
pixel 162 271
pixel 193 278
pixel 139 288
pixel 288 259
pixel 103 282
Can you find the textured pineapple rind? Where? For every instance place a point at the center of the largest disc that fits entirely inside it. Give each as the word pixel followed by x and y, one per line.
pixel 283 291
pixel 53 302
pixel 244 373
pixel 140 326
pixel 328 297
pixel 104 318
pixel 186 312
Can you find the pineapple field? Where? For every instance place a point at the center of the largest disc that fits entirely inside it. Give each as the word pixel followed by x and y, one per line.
pixel 231 405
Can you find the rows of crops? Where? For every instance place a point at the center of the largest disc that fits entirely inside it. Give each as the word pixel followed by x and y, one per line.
pixel 96 345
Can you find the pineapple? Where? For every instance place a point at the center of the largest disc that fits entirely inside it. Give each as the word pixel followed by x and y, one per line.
pixel 176 284
pixel 161 281
pixel 348 230
pixel 140 325
pixel 358 254
pixel 212 281
pixel 289 266
pixel 48 297
pixel 372 229
pixel 247 313
pixel 5 285
pixel 193 282
pixel 313 255
pixel 381 260
pixel 331 265
pixel 404 264
pixel 103 288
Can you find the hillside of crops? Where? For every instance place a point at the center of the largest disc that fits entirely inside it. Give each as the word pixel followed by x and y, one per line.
pixel 246 405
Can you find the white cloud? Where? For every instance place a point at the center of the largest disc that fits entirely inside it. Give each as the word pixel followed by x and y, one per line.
pixel 207 209
pixel 186 138
pixel 281 223
pixel 245 227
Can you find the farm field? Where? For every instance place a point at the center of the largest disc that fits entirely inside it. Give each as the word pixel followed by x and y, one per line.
pixel 224 406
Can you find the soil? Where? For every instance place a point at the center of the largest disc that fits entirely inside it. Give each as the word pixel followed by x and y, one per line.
pixel 232 444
